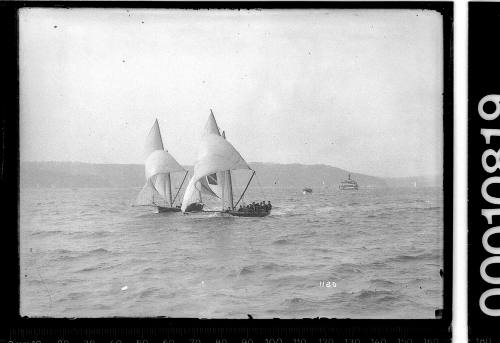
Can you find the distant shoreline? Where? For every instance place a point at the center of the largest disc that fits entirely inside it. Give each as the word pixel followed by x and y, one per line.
pixel 91 175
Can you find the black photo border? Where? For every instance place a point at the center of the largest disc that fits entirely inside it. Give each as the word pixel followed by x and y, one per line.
pixel 17 329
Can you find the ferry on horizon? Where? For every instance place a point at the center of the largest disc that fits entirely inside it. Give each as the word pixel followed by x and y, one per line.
pixel 348 184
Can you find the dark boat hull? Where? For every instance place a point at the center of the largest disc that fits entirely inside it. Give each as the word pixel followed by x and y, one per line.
pixel 249 214
pixel 195 207
pixel 161 209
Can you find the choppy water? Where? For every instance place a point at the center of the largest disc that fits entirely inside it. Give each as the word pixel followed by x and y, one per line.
pixel 80 248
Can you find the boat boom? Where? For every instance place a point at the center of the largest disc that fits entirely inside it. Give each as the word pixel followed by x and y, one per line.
pixel 242 194
pixel 184 179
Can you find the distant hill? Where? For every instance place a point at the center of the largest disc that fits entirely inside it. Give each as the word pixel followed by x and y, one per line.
pixel 314 176
pixel 89 175
pixel 417 181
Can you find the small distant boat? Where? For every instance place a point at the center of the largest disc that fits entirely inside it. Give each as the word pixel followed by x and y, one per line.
pixel 348 184
pixel 212 174
pixel 307 190
pixel 157 191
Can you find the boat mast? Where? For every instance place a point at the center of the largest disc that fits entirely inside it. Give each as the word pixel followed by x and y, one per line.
pixel 230 189
pixel 229 182
pixel 222 184
pixel 168 185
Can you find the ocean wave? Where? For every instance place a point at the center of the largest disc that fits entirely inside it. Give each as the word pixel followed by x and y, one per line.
pixel 63 251
pixel 100 233
pixel 347 268
pixel 76 295
pixel 151 291
pixel 100 267
pixel 302 301
pixel 99 251
pixel 325 250
pixel 282 241
pixel 103 307
pixel 432 208
pixel 250 269
pixel 409 258
pixel 47 233
pixel 382 283
pixel 72 255
pixel 271 266
pixel 35 280
pixel 307 234
pixel 376 264
pixel 413 201
pixel 149 270
pixel 87 269
pixel 247 270
pixel 289 213
pixel 377 295
pixel 384 214
pixel 328 209
pixel 295 301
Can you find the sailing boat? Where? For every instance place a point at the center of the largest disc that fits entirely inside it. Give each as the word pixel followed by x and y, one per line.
pixel 212 173
pixel 307 190
pixel 158 166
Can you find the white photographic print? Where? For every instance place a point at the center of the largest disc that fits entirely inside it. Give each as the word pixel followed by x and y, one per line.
pixel 226 163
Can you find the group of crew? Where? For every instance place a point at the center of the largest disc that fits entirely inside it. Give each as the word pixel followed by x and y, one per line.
pixel 256 207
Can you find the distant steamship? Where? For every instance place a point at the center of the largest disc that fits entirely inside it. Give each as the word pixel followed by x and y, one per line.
pixel 348 184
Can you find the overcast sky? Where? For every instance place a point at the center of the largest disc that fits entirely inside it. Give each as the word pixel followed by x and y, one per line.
pixel 355 89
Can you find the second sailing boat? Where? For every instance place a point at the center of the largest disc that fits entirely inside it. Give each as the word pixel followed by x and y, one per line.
pixel 158 166
pixel 212 174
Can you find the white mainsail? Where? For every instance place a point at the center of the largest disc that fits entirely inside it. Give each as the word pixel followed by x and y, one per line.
pixel 153 140
pixel 211 125
pixel 158 166
pixel 215 156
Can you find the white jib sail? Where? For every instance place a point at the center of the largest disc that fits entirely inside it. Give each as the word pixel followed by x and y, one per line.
pixel 158 167
pixel 215 156
pixel 148 196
